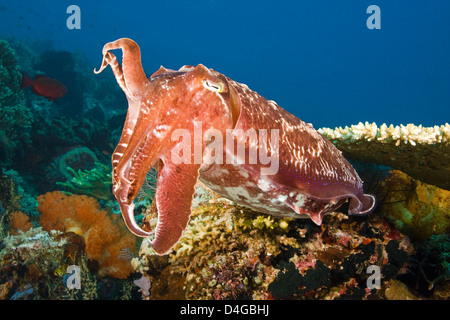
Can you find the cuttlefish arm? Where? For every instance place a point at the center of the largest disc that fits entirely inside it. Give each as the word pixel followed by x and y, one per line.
pixel 133 81
pixel 130 76
pixel 135 151
pixel 174 192
pixel 143 143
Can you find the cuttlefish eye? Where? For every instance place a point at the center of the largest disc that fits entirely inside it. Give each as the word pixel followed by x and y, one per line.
pixel 216 86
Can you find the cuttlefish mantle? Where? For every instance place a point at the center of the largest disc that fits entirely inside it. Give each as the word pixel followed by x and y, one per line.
pixel 195 123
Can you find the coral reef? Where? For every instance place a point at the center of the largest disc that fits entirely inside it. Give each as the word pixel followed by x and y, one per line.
pixel 15 131
pixel 227 251
pixel 33 265
pixel 230 252
pixel 31 256
pixel 9 202
pixel 104 234
pixel 421 152
pixel 10 77
pixel 15 118
pixel 28 202
pixel 9 198
pixel 52 137
pixel 416 208
pixel 80 158
pixel 433 256
pixel 62 65
pixel 63 167
pixel 66 133
pixel 397 290
pixel 96 182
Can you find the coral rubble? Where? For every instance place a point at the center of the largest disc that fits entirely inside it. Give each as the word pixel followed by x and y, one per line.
pixel 33 265
pixel 32 255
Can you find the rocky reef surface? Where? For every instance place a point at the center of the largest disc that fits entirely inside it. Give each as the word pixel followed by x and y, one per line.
pixel 230 252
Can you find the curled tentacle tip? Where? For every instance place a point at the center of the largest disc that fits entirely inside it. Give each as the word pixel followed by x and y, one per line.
pixel 107 56
pixel 102 67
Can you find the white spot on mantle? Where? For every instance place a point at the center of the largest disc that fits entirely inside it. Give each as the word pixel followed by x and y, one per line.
pixel 300 200
pixel 264 185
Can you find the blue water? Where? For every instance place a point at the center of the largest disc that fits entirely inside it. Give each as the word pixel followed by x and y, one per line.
pixel 317 59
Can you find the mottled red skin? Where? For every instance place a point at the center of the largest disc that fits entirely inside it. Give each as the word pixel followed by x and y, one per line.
pixel 313 177
pixel 44 86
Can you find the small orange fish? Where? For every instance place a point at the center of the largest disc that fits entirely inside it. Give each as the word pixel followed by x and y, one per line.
pixel 44 86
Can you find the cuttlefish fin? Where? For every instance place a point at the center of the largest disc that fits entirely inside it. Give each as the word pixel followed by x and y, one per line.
pixel 174 192
pixel 160 71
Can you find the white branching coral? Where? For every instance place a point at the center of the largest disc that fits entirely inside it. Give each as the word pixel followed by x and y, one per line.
pixel 421 152
pixel 410 133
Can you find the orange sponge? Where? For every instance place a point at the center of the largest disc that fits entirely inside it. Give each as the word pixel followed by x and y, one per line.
pixel 104 234
pixel 19 221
